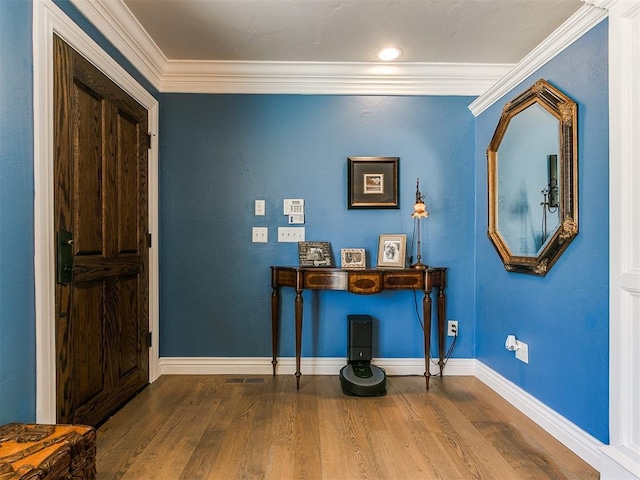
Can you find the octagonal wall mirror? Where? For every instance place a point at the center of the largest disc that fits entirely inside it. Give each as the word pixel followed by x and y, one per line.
pixel 533 179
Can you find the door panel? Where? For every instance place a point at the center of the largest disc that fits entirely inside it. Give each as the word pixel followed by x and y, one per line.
pixel 127 186
pixel 100 166
pixel 128 310
pixel 87 172
pixel 87 309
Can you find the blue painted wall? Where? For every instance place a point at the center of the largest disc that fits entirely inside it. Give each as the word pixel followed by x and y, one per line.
pixel 218 153
pixel 563 317
pixel 17 325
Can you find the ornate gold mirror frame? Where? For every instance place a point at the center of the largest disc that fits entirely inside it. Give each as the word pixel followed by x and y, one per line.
pixel 561 192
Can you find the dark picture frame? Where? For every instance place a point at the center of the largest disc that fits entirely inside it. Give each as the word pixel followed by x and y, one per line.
pixel 373 182
pixel 315 254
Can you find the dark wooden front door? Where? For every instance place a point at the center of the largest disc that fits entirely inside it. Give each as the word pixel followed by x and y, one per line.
pixel 100 191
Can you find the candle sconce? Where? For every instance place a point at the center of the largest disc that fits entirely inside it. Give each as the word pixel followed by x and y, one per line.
pixel 550 201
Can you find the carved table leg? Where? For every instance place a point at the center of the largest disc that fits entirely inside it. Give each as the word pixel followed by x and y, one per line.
pixel 275 308
pixel 426 315
pixel 298 312
pixel 441 314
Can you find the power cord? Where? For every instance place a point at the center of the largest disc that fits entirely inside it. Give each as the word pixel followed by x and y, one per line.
pixel 420 322
pixel 413 238
pixel 415 304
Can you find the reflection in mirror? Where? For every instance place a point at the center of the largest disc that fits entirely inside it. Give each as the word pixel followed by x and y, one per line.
pixel 533 186
pixel 525 214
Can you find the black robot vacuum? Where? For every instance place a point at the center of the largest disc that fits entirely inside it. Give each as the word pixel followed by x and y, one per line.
pixel 360 378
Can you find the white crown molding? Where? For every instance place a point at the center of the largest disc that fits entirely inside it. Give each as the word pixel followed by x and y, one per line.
pixel 606 4
pixel 122 29
pixel 330 78
pixel 574 438
pixel 571 30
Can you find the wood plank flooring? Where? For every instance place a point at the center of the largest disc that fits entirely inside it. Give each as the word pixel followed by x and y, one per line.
pixel 234 427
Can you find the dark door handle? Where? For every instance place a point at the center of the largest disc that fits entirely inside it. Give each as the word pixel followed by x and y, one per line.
pixel 64 257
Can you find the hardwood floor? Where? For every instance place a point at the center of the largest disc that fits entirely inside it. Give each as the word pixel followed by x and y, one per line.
pixel 235 427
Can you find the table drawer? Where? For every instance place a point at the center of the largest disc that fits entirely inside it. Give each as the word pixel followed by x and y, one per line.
pixel 365 283
pixel 404 280
pixel 284 278
pixel 325 279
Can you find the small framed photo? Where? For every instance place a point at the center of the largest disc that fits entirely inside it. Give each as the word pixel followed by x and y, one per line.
pixel 352 258
pixel 373 182
pixel 315 254
pixel 391 250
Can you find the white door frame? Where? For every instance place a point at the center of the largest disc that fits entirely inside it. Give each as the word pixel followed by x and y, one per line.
pixel 47 20
pixel 621 459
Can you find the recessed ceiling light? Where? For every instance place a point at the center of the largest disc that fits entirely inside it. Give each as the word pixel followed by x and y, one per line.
pixel 388 54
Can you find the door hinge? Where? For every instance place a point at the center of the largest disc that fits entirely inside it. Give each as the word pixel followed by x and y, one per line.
pixel 149 340
pixel 149 240
pixel 149 140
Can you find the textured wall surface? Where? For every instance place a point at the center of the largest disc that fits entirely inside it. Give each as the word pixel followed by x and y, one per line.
pixel 218 153
pixel 564 316
pixel 17 317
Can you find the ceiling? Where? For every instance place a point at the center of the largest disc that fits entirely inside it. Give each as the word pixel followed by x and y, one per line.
pixel 329 47
pixel 427 31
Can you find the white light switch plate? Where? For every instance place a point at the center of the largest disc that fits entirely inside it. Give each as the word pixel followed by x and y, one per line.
pixel 260 234
pixel 260 207
pixel 291 234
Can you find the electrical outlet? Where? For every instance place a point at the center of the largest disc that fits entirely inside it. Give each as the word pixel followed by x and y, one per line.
pixel 260 234
pixel 452 328
pixel 260 207
pixel 522 351
pixel 291 234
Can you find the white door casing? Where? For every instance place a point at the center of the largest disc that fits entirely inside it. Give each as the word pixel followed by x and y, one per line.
pixel 47 20
pixel 621 459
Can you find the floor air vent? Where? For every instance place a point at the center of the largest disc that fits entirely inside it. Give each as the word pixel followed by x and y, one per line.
pixel 255 380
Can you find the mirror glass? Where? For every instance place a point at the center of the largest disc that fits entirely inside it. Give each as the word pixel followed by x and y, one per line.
pixel 528 149
pixel 532 162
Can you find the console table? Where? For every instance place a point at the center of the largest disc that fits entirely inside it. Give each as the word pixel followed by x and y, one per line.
pixel 363 282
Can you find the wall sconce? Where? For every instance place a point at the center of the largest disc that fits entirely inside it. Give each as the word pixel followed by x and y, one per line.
pixel 419 211
pixel 550 202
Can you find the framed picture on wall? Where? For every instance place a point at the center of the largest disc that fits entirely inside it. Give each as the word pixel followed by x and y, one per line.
pixel 392 250
pixel 373 182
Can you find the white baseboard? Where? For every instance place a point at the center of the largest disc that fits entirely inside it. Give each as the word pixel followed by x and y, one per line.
pixel 309 366
pixel 619 463
pixel 574 438
pixel 577 440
